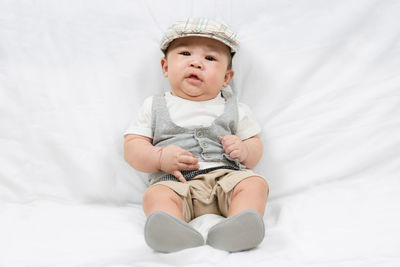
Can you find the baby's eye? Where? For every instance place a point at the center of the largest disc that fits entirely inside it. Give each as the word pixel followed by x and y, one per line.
pixel 185 53
pixel 210 58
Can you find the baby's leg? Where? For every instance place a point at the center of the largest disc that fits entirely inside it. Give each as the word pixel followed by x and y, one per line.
pixel 244 227
pixel 162 198
pixel 165 229
pixel 250 193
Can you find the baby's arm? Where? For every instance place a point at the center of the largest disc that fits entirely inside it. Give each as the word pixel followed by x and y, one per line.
pixel 143 156
pixel 248 151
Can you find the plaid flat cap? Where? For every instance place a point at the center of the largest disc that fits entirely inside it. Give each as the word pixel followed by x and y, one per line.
pixel 200 27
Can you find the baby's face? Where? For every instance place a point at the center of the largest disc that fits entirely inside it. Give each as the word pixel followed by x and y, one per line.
pixel 197 67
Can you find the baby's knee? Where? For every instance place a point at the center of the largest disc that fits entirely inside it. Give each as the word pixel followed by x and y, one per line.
pixel 262 185
pixel 254 184
pixel 162 194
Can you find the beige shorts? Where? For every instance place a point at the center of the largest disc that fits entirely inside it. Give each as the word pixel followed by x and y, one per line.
pixel 208 193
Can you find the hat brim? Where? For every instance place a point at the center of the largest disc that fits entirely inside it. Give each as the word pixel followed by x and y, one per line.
pixel 167 42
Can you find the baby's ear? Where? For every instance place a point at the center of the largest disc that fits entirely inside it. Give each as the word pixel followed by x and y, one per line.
pixel 228 77
pixel 164 66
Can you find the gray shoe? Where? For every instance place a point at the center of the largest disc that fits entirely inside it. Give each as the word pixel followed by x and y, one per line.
pixel 240 232
pixel 165 233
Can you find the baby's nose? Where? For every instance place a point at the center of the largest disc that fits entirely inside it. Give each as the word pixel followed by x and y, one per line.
pixel 196 64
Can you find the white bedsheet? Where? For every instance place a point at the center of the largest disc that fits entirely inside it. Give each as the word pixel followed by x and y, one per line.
pixel 322 77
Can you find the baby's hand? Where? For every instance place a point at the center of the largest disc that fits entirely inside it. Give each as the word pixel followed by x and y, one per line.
pixel 174 159
pixel 234 147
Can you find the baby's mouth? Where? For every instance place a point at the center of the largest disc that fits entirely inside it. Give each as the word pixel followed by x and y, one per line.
pixel 193 78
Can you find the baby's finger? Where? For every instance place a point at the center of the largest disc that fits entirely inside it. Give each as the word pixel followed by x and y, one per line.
pixel 235 154
pixel 223 139
pixel 188 159
pixel 230 148
pixel 180 177
pixel 231 141
pixel 187 153
pixel 188 167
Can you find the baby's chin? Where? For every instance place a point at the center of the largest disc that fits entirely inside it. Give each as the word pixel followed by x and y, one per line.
pixel 193 97
pixel 195 94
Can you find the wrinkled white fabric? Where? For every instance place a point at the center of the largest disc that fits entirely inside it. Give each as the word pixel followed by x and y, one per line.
pixel 321 77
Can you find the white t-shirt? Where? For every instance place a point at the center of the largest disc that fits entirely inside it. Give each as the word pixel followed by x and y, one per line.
pixel 191 114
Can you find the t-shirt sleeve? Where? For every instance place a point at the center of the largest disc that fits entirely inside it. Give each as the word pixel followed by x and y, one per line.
pixel 141 125
pixel 247 124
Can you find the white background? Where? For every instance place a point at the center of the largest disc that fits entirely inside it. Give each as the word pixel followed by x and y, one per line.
pixel 322 77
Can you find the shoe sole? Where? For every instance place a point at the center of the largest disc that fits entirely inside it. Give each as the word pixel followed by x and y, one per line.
pixel 165 233
pixel 240 232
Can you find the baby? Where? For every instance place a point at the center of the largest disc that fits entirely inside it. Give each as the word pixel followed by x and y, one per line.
pixel 198 144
